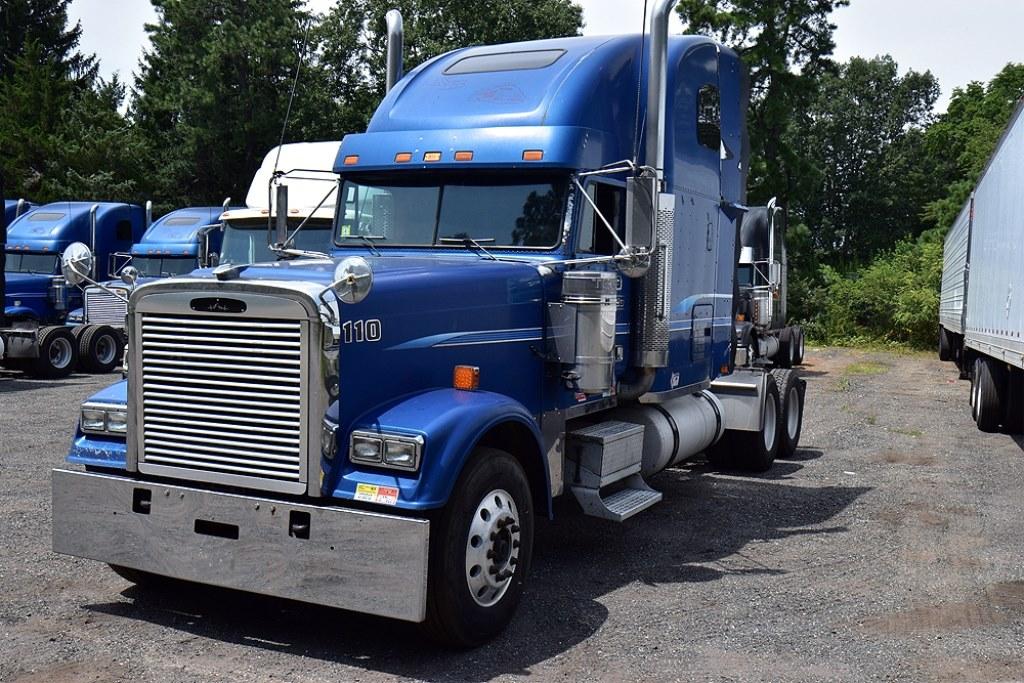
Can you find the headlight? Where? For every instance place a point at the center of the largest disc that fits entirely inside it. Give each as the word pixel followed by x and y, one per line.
pixel 366 449
pixel 99 418
pixel 396 451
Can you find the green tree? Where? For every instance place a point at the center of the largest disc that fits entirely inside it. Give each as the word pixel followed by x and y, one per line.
pixel 962 139
pixel 786 45
pixel 353 41
pixel 862 140
pixel 44 25
pixel 212 93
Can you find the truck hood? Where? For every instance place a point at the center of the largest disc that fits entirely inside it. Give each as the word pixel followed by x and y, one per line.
pixel 22 285
pixel 26 294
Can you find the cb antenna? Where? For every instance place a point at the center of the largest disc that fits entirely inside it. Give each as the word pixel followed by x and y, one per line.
pixel 291 96
pixel 639 84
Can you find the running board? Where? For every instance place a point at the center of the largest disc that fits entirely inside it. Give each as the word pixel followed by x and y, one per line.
pixel 636 497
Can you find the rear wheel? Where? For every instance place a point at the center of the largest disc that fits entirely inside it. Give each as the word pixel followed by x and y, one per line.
pixel 481 553
pixel 100 348
pixel 753 451
pixel 58 353
pixel 791 393
pixel 798 356
pixel 989 390
pixel 784 356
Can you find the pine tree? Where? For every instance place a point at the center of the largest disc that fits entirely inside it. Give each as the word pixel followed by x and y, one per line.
pixel 212 93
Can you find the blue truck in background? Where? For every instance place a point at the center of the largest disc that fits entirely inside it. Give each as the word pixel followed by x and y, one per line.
pixel 37 300
pixel 175 244
pixel 533 294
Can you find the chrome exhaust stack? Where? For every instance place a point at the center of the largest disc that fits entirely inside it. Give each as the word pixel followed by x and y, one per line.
pixel 396 36
pixel 652 210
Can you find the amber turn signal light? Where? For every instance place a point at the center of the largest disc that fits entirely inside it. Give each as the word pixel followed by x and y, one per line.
pixel 432 156
pixel 464 156
pixel 533 155
pixel 466 377
pixel 403 157
pixel 351 160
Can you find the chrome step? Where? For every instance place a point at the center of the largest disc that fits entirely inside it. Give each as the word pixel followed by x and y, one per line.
pixel 636 497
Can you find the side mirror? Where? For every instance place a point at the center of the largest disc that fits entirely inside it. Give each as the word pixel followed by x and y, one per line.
pixel 129 275
pixel 353 279
pixel 281 212
pixel 76 263
pixel 641 195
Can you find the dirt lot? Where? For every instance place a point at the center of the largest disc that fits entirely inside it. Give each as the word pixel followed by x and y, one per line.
pixel 890 549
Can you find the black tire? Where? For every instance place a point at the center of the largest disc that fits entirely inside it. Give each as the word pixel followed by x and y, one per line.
pixel 1013 420
pixel 751 451
pixel 784 356
pixel 945 347
pixel 99 348
pixel 989 391
pixel 58 353
pixel 467 603
pixel 798 347
pixel 791 420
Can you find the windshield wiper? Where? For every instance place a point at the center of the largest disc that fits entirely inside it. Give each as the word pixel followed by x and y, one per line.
pixel 298 253
pixel 367 240
pixel 470 242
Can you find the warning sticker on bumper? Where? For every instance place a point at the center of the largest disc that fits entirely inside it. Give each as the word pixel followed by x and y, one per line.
pixel 382 495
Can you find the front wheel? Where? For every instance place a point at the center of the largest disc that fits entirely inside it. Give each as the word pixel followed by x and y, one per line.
pixel 481 553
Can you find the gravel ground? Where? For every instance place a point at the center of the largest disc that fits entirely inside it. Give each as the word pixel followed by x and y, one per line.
pixel 889 549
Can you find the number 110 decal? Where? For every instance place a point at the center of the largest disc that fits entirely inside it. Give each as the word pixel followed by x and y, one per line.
pixel 361 330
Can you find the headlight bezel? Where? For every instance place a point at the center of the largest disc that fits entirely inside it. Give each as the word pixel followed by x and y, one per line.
pixel 99 419
pixel 382 440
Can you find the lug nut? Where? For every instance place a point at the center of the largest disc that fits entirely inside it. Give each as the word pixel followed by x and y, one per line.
pixel 514 528
pixel 515 544
pixel 490 554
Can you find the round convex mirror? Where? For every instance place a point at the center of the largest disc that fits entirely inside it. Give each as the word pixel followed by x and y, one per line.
pixel 129 275
pixel 353 279
pixel 76 263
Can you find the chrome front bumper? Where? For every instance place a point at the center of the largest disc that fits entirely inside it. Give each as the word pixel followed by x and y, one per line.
pixel 351 559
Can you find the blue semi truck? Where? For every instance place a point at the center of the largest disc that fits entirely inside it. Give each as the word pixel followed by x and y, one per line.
pixel 175 244
pixel 535 297
pixel 37 301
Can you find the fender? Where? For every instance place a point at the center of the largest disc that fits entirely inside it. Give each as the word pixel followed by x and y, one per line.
pixel 21 312
pixel 451 423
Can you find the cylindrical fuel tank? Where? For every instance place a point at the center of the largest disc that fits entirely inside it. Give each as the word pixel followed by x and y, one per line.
pixel 593 295
pixel 675 430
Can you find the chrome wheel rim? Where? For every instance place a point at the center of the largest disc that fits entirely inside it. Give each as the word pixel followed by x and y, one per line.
pixel 793 413
pixel 492 547
pixel 60 353
pixel 106 349
pixel 770 424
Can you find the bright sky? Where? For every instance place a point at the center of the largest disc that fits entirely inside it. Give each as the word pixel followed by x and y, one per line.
pixel 958 40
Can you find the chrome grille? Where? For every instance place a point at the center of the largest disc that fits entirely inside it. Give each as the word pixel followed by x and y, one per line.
pixel 103 308
pixel 222 395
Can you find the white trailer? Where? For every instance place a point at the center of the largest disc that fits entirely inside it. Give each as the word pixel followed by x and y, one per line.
pixel 981 313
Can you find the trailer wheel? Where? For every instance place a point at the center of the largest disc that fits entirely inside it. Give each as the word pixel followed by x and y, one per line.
pixel 989 390
pixel 1013 421
pixel 481 553
pixel 945 347
pixel 58 353
pixel 791 391
pixel 799 346
pixel 100 348
pixel 752 451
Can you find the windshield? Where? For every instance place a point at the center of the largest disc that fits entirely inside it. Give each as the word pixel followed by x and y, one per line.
pixel 31 263
pixel 491 209
pixel 245 241
pixel 152 266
